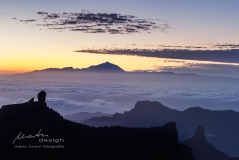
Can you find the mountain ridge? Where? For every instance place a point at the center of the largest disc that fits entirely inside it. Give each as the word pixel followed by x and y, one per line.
pixel 149 114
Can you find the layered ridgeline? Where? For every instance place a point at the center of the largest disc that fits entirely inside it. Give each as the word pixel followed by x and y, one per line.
pixel 221 126
pixel 81 116
pixel 34 129
pixel 110 71
pixel 103 67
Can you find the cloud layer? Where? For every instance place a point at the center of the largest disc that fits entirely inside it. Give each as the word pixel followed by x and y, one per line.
pixel 64 106
pixel 89 22
pixel 4 101
pixel 176 91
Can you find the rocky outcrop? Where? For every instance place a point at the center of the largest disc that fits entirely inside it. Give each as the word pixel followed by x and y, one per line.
pixel 35 124
pixel 202 150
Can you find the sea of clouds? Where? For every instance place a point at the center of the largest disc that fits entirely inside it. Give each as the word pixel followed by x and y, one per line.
pixel 68 97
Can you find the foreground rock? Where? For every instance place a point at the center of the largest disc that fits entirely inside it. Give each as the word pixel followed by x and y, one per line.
pixel 33 130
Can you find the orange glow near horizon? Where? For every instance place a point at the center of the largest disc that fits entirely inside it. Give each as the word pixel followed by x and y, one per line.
pixel 75 60
pixel 32 62
pixel 79 60
pixel 12 71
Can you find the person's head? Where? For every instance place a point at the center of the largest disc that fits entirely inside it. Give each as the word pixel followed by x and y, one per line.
pixel 41 96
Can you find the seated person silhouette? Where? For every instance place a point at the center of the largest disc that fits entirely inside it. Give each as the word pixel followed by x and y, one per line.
pixel 42 98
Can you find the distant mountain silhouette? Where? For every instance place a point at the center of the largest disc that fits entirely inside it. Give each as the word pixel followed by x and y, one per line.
pixel 60 69
pixel 33 124
pixel 202 150
pixel 81 116
pixel 222 124
pixel 104 67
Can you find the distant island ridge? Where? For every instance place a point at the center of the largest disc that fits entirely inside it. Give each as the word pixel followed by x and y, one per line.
pixel 100 68
pixel 110 68
pixel 104 67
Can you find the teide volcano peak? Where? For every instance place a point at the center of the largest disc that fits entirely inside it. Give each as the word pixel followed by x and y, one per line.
pixel 104 67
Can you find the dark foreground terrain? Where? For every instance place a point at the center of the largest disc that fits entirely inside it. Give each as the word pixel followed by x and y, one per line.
pixel 34 131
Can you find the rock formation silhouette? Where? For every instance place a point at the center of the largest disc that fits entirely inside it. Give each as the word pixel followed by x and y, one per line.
pixel 34 124
pixel 42 98
pixel 202 150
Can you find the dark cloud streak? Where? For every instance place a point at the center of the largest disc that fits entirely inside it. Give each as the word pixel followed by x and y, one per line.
pixel 229 56
pixel 28 20
pixel 227 45
pixel 112 23
pixel 204 69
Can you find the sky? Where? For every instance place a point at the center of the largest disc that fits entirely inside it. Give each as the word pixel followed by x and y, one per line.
pixel 134 34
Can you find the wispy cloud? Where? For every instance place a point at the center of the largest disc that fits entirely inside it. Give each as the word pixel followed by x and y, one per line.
pixel 227 45
pixel 211 69
pixel 28 20
pixel 65 106
pixel 89 22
